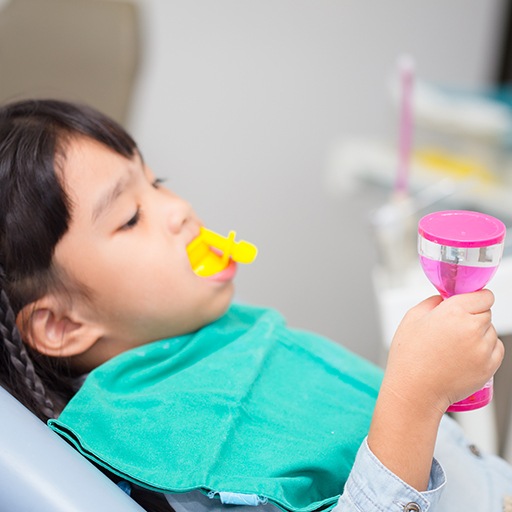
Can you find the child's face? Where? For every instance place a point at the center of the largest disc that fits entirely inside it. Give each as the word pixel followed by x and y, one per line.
pixel 127 243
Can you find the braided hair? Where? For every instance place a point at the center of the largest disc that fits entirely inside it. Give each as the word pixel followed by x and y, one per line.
pixel 34 215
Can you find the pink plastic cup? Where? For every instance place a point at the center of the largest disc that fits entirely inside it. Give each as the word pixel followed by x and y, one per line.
pixel 460 252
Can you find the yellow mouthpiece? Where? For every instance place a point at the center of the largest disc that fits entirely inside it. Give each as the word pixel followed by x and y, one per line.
pixel 210 252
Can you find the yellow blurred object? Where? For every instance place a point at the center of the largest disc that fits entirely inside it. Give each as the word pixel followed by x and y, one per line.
pixel 210 252
pixel 455 167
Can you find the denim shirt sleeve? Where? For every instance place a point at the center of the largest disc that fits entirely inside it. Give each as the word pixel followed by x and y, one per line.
pixel 371 487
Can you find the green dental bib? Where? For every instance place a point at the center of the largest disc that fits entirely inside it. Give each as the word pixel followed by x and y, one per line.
pixel 245 405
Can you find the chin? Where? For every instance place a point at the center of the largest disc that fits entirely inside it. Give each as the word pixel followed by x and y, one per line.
pixel 220 307
pixel 220 311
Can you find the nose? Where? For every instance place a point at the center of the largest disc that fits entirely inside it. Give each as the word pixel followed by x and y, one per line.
pixel 180 212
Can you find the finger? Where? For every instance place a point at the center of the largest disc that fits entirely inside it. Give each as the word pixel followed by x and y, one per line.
pixel 492 340
pixel 427 305
pixel 475 302
pixel 497 355
pixel 484 319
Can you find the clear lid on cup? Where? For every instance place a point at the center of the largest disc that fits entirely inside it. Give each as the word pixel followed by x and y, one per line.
pixel 462 228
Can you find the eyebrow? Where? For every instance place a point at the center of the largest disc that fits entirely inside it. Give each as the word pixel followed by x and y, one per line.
pixel 106 200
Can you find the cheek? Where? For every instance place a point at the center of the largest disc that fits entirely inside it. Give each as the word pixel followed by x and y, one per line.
pixel 148 280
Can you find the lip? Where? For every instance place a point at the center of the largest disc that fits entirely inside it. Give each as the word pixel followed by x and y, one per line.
pixel 224 275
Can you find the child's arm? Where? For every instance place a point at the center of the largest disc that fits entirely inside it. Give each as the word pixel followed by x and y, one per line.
pixel 442 352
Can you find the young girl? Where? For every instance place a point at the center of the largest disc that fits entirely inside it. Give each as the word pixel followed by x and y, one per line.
pixel 95 281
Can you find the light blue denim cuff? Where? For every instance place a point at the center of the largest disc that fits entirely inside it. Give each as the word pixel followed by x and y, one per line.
pixel 372 487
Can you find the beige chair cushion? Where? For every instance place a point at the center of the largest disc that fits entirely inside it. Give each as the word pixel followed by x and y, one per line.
pixel 79 50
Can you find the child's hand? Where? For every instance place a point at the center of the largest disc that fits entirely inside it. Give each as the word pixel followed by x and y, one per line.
pixel 443 351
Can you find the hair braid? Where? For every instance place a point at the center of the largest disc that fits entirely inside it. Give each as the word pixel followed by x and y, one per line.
pixel 34 390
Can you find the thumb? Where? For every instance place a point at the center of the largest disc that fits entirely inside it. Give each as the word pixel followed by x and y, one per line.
pixel 425 306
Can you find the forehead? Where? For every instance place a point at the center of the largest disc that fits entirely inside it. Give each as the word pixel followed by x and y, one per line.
pixel 88 164
pixel 90 167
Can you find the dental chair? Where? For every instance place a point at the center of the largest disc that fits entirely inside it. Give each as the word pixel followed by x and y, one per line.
pixel 40 472
pixel 81 50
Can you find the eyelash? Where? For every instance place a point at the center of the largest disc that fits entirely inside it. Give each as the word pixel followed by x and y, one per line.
pixel 157 182
pixel 136 218
pixel 133 221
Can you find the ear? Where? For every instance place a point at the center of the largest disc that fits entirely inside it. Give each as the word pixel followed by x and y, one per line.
pixel 56 329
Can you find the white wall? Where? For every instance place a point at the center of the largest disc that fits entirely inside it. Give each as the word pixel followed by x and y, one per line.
pixel 240 102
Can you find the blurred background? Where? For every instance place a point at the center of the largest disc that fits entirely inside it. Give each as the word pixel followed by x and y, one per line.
pixel 277 118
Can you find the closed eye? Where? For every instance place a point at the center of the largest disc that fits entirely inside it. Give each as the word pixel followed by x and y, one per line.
pixel 157 182
pixel 137 216
pixel 133 221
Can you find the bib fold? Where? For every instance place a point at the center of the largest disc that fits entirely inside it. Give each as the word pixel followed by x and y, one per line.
pixel 244 405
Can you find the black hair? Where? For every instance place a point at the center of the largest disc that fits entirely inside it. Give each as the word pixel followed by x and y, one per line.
pixel 35 213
